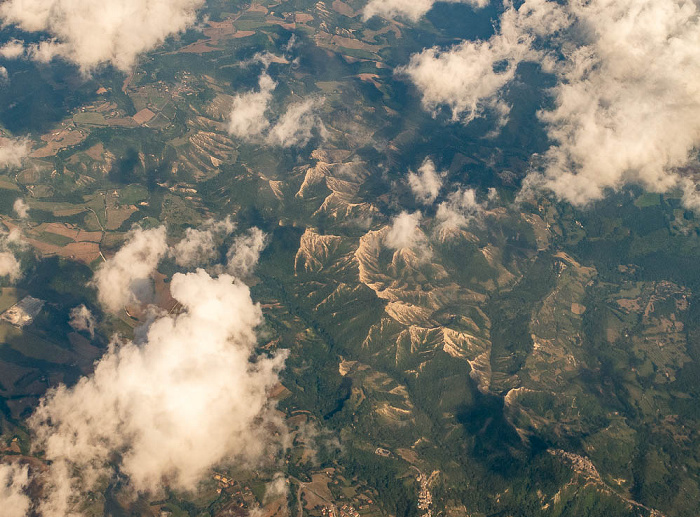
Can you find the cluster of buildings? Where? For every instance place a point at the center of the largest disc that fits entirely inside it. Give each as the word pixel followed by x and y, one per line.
pixel 23 312
pixel 425 498
pixel 329 511
pixel 345 511
pixel 348 511
pixel 244 493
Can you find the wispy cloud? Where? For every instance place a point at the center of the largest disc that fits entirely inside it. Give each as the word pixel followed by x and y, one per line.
pixel 199 246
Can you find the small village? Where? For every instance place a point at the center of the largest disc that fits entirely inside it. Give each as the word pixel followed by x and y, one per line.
pixel 425 497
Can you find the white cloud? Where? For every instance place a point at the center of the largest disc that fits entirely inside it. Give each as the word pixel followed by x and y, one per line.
pixel 13 151
pixel 82 319
pixel 125 278
pixel 21 208
pixel 427 183
pixel 410 9
pixel 245 252
pixel 13 49
pixel 247 119
pixel 626 101
pixel 405 234
pixel 296 127
pixel 14 480
pixel 93 32
pixel 456 213
pixel 10 266
pixel 46 51
pixel 4 74
pixel 468 78
pixel 171 407
pixel 198 247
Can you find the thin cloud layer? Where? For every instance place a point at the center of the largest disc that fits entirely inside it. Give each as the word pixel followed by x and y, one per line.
pixel 14 480
pixel 92 32
pixel 426 183
pixel 10 267
pixel 169 408
pixel 409 9
pixel 626 103
pixel 125 278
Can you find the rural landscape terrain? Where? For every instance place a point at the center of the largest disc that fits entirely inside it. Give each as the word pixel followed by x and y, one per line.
pixel 476 348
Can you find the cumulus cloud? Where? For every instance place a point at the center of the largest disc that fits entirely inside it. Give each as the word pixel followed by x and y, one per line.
pixel 10 266
pixel 245 252
pixel 169 408
pixel 125 278
pixel 247 119
pixel 14 480
pixel 405 234
pixel 198 247
pixel 93 32
pixel 410 9
pixel 626 104
pixel 296 127
pixel 13 151
pixel 82 319
pixel 469 77
pixel 427 183
pixel 21 208
pixel 457 211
